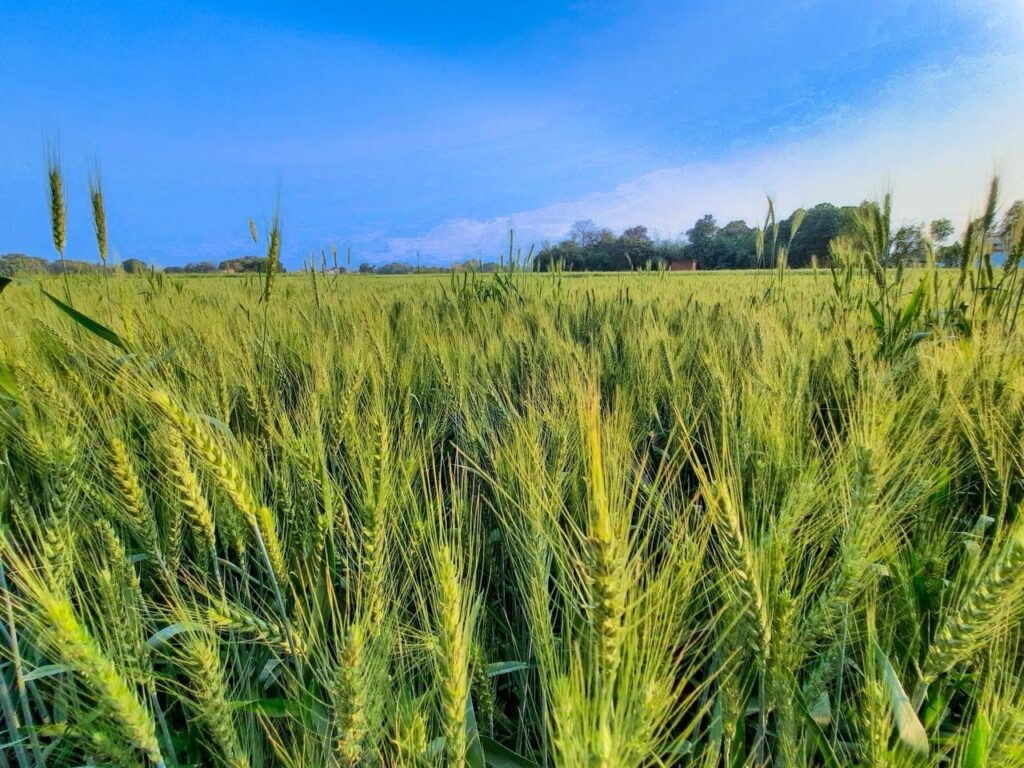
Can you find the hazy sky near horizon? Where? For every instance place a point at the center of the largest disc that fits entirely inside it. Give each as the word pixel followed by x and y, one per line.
pixel 431 128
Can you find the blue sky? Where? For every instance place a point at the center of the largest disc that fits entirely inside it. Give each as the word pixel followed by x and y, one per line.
pixel 432 127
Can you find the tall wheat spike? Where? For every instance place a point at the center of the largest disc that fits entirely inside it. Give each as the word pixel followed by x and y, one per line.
pixel 351 699
pixel 99 216
pixel 58 214
pixel 65 638
pixel 454 633
pixel 211 703
pixel 608 564
pixel 980 613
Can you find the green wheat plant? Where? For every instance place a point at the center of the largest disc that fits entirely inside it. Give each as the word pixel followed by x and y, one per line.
pixel 525 519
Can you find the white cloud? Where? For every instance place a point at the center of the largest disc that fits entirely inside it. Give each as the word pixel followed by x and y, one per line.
pixel 1004 18
pixel 934 138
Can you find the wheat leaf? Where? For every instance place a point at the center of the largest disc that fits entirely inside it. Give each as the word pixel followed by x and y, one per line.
pixel 88 323
pixel 908 725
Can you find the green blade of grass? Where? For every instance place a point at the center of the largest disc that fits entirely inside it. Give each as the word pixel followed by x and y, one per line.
pixel 88 323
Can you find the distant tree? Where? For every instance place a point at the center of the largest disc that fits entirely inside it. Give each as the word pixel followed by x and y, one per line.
pixel 200 267
pixel 366 268
pixel 248 264
pixel 668 251
pixel 1013 220
pixel 821 225
pixel 940 230
pixel 585 232
pixel 701 242
pixel 636 233
pixel 134 266
pixel 12 264
pixel 566 253
pixel 908 245
pixel 471 265
pixel 732 246
pixel 950 255
pixel 71 266
pixel 632 250
pixel 735 246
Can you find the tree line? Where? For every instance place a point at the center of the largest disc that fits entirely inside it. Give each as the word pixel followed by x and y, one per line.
pixel 22 264
pixel 589 247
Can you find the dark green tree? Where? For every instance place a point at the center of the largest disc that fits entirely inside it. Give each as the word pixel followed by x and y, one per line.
pixel 735 246
pixel 638 232
pixel 822 224
pixel 701 242
pixel 940 230
pixel 12 264
pixel 908 245
pixel 134 266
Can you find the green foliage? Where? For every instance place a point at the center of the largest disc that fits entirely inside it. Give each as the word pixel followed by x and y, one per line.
pixel 12 264
pixel 820 226
pixel 701 239
pixel 134 266
pixel 733 246
pixel 909 246
pixel 606 253
pixel 87 322
pixel 940 231
pixel 194 268
pixel 247 264
pixel 72 267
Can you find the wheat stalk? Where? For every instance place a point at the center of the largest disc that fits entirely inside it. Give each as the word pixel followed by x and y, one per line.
pixel 99 215
pixel 66 638
pixel 58 214
pixel 454 633
pixel 350 696
pixel 741 571
pixel 607 563
pixel 197 509
pixel 132 497
pixel 980 613
pixel 208 698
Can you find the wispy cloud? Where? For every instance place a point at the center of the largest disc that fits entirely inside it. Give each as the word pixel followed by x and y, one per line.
pixel 934 137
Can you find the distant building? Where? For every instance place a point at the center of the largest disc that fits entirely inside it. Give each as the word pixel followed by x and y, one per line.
pixel 683 265
pixel 998 250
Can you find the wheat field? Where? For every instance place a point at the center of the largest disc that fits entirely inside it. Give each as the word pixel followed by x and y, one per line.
pixel 650 519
